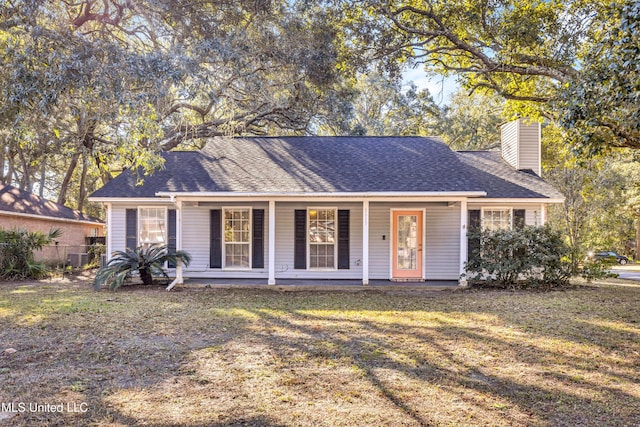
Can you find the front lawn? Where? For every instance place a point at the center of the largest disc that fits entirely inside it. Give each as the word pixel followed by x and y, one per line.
pixel 260 357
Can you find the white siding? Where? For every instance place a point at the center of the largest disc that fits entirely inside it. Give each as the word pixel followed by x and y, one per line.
pixel 529 147
pixel 509 143
pixel 195 237
pixel 442 255
pixel 379 240
pixel 196 240
pixel 520 142
pixel 441 228
pixel 442 240
pixel 285 242
pixel 117 228
pixel 533 215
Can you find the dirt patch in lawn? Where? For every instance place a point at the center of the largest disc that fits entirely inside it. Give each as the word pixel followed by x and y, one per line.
pixel 260 357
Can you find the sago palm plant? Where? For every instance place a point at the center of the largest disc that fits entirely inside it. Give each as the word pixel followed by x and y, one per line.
pixel 147 261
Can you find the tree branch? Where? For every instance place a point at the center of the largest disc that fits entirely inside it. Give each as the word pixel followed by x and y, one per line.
pixel 533 66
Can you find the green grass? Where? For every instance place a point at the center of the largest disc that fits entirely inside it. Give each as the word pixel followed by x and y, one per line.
pixel 259 357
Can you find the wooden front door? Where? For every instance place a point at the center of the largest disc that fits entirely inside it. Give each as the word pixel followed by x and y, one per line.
pixel 407 245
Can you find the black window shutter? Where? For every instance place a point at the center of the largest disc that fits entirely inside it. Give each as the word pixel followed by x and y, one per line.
pixel 171 238
pixel 258 239
pixel 132 228
pixel 473 241
pixel 343 239
pixel 215 254
pixel 300 240
pixel 518 219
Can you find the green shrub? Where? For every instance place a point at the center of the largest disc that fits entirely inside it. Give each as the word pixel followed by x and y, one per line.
pixel 597 268
pixel 95 251
pixel 147 261
pixel 17 247
pixel 531 256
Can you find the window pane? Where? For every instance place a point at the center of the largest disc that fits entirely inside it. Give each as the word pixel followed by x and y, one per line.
pixel 152 226
pixel 244 256
pixel 237 225
pixel 322 237
pixel 496 219
pixel 237 238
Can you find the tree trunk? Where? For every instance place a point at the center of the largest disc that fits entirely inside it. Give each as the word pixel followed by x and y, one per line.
pixel 62 197
pixel 2 156
pixel 145 276
pixel 43 171
pixel 25 182
pixel 638 239
pixel 10 155
pixel 8 177
pixel 104 170
pixel 83 177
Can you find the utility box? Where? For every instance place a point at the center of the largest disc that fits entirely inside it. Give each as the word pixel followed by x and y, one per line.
pixel 78 260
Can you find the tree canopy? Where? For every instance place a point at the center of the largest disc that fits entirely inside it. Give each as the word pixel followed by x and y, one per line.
pixel 572 62
pixel 88 87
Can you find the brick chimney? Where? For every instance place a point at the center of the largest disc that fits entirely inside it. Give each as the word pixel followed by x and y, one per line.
pixel 520 141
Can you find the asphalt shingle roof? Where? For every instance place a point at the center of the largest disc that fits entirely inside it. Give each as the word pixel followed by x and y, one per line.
pixel 18 201
pixel 324 164
pixel 500 180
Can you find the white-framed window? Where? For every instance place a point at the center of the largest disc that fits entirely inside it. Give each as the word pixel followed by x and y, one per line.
pixel 152 226
pixel 322 237
pixel 236 238
pixel 497 218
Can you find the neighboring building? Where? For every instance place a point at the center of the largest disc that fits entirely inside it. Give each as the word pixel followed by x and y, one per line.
pixel 21 209
pixel 329 207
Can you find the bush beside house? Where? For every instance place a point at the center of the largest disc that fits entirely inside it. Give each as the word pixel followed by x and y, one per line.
pixel 526 257
pixel 17 247
pixel 530 256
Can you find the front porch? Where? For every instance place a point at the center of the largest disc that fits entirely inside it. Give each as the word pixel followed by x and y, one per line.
pixel 368 243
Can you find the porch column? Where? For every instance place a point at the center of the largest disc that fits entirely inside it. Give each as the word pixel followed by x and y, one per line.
pixel 179 240
pixel 543 214
pixel 365 242
pixel 109 233
pixel 272 243
pixel 179 279
pixel 463 240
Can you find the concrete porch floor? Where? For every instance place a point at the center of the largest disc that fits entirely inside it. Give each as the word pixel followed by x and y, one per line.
pixel 320 285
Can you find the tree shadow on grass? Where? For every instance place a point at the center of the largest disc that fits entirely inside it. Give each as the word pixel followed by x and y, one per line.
pixel 134 345
pixel 566 399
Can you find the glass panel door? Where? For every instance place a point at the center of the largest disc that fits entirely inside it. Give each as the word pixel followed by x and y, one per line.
pixel 407 252
pixel 407 244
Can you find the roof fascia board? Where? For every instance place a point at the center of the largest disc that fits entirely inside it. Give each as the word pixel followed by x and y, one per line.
pixel 333 195
pixel 50 218
pixel 519 200
pixel 472 197
pixel 324 199
pixel 134 200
